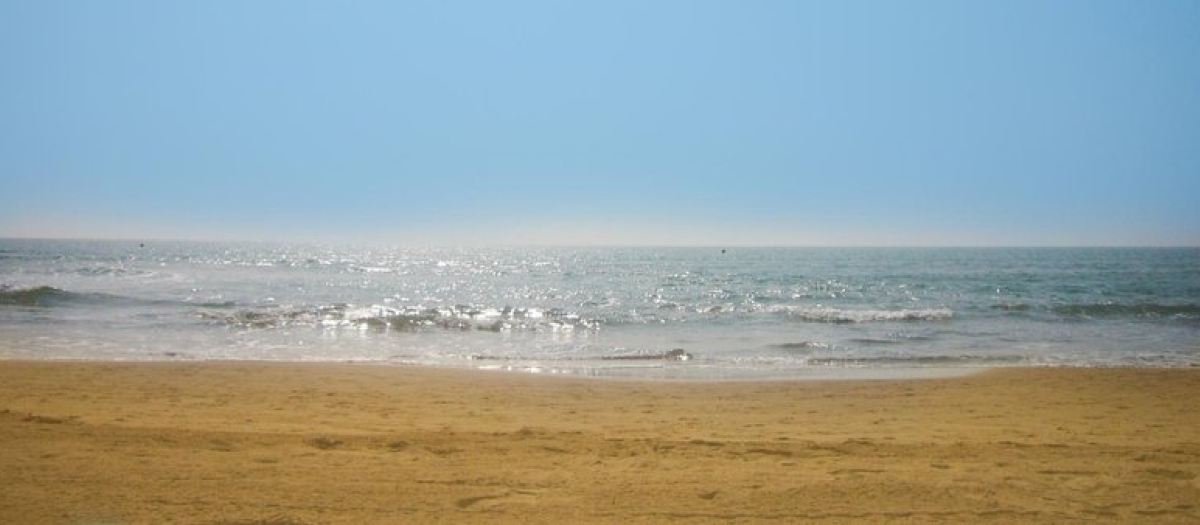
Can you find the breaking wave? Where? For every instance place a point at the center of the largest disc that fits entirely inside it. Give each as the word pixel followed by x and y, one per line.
pixel 37 296
pixel 1106 310
pixel 802 345
pixel 917 361
pixel 50 297
pixel 106 271
pixel 408 319
pixel 674 355
pixel 840 316
pixel 1141 310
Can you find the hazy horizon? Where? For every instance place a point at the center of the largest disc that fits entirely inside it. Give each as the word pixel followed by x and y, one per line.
pixel 669 123
pixel 459 244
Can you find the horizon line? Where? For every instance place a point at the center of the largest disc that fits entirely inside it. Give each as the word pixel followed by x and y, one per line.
pixel 633 245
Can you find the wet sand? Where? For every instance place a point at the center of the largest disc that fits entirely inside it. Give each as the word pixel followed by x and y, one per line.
pixel 300 443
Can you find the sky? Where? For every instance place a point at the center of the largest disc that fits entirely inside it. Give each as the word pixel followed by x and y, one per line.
pixel 928 123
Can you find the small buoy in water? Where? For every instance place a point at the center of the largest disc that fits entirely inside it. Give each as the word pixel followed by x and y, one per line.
pixel 722 250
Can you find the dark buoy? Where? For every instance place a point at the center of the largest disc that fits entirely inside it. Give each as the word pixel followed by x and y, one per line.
pixel 677 354
pixel 722 250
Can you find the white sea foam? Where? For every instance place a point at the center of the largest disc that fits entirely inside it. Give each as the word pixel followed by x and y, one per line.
pixel 823 314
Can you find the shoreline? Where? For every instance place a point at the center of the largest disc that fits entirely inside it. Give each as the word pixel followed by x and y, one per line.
pixel 665 373
pixel 244 442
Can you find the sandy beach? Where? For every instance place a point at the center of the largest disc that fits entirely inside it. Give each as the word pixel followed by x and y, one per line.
pixel 321 443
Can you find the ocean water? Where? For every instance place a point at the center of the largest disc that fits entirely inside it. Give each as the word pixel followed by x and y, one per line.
pixel 639 312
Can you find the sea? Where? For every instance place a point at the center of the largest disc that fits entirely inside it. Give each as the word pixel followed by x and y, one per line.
pixel 646 313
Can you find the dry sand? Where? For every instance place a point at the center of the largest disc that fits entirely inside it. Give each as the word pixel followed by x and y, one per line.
pixel 297 443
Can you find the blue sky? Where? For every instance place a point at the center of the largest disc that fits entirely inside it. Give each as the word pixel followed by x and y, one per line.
pixel 642 122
